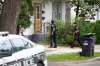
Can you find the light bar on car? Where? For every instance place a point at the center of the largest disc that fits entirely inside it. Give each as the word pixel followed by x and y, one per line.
pixel 4 33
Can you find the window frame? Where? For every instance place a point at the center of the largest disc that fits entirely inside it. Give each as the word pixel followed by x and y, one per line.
pixel 14 47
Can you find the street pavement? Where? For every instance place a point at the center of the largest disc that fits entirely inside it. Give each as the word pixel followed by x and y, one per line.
pixel 95 63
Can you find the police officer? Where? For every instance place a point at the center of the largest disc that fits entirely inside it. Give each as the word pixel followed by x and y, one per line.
pixel 77 34
pixel 53 35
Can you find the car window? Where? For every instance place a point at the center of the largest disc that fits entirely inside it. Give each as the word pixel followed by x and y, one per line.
pixel 5 45
pixel 18 44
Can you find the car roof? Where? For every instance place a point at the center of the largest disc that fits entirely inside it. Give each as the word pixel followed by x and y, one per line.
pixel 12 36
pixel 9 36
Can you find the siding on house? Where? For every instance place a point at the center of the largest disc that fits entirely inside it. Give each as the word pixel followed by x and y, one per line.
pixel 63 11
pixel 50 13
pixel 47 8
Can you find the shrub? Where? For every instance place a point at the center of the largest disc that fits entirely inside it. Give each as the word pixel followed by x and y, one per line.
pixel 64 34
pixel 97 31
pixel 86 27
pixel 60 31
pixel 69 38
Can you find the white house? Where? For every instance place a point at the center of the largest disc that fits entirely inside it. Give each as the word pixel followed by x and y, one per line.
pixel 45 12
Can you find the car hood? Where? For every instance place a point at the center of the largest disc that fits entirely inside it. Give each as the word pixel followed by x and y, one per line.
pixel 23 54
pixel 1 61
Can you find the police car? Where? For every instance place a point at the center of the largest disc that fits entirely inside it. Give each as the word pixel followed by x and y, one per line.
pixel 17 50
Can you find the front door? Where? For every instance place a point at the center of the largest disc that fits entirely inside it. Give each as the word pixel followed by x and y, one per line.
pixel 38 20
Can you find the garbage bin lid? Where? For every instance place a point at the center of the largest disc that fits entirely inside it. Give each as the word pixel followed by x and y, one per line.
pixel 89 34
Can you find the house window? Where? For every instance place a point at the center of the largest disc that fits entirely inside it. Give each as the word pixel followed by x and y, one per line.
pixel 57 10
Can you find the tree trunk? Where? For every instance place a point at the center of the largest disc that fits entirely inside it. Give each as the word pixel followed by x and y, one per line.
pixel 8 18
pixel 77 12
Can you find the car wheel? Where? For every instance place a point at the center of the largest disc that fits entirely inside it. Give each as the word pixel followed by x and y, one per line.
pixel 40 64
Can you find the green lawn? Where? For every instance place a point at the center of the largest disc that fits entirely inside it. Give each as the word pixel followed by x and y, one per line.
pixel 69 57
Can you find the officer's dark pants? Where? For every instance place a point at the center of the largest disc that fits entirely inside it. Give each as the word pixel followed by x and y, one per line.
pixel 53 41
pixel 78 39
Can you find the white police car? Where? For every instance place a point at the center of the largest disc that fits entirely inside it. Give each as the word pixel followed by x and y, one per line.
pixel 16 50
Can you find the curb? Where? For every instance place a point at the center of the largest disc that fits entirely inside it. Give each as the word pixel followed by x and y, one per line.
pixel 95 59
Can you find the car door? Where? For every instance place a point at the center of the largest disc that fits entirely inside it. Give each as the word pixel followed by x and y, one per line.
pixel 6 46
pixel 23 50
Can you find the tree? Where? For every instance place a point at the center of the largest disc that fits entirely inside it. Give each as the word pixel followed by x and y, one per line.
pixel 93 2
pixel 12 13
pixel 84 7
pixel 25 13
pixel 9 15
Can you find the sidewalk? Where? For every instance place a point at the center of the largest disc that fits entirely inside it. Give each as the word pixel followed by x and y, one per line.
pixel 62 49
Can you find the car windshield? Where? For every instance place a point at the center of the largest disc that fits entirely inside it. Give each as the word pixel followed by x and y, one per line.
pixel 5 45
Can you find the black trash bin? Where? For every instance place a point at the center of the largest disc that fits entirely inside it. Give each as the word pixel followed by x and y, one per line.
pixel 88 42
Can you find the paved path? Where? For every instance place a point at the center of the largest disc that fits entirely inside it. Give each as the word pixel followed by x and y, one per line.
pixel 62 49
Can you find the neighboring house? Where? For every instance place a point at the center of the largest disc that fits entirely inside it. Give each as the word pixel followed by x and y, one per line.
pixel 97 17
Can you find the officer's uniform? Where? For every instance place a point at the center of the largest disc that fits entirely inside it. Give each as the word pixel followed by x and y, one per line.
pixel 53 35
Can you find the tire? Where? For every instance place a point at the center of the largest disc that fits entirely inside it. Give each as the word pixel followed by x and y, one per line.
pixel 40 64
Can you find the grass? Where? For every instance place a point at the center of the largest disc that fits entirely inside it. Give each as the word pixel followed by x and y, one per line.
pixel 69 57
pixel 47 42
pixel 44 41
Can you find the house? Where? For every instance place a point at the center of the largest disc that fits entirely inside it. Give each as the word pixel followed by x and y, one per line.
pixel 45 12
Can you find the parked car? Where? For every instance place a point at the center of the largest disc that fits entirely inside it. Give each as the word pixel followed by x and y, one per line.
pixel 17 50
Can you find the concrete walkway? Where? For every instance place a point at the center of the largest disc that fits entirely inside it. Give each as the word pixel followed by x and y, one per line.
pixel 62 49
